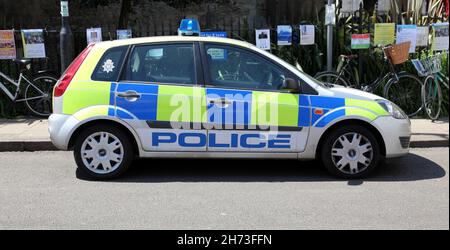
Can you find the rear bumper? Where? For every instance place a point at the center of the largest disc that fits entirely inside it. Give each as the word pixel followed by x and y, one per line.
pixel 60 128
pixel 396 135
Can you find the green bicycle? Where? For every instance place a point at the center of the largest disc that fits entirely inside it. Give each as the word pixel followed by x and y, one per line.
pixel 431 69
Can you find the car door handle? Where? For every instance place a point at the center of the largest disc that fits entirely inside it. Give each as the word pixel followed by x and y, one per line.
pixel 220 101
pixel 129 95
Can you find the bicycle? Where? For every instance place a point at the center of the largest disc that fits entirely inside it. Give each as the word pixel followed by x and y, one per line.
pixel 431 69
pixel 38 91
pixel 402 88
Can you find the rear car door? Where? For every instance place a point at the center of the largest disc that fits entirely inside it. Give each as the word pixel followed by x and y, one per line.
pixel 247 109
pixel 159 96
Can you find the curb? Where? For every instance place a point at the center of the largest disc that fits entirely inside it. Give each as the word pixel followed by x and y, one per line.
pixel 29 146
pixel 430 144
pixel 33 146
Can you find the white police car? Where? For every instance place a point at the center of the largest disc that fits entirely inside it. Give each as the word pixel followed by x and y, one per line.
pixel 186 97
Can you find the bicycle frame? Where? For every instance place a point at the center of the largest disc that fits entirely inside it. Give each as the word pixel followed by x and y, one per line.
pixel 15 97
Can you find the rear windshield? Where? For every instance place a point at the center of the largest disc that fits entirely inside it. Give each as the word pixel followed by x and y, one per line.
pixel 108 68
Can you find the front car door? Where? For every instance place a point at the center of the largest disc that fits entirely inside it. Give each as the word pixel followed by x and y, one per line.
pixel 159 96
pixel 247 109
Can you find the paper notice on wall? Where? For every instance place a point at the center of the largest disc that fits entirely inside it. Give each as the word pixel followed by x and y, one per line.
pixel 360 41
pixel 7 45
pixel 33 43
pixel 407 33
pixel 307 34
pixel 350 6
pixel 384 6
pixel 284 35
pixel 94 35
pixel 440 36
pixel 423 34
pixel 330 14
pixel 124 34
pixel 263 39
pixel 384 34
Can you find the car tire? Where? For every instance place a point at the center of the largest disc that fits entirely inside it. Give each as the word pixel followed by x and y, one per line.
pixel 350 152
pixel 103 152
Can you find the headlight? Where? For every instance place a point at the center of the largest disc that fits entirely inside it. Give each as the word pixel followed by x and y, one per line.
pixel 393 109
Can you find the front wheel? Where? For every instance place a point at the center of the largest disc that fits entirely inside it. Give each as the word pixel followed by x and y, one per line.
pixel 406 93
pixel 38 95
pixel 103 152
pixel 350 152
pixel 432 97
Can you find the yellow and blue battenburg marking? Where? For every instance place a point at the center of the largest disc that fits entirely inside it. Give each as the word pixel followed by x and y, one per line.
pixel 244 109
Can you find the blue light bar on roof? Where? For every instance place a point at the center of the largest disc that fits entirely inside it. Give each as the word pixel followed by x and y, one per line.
pixel 189 27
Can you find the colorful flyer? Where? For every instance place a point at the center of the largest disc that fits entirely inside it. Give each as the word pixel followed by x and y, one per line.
pixel 307 34
pixel 284 35
pixel 440 36
pixel 263 39
pixel 384 34
pixel 124 34
pixel 7 45
pixel 423 34
pixel 94 35
pixel 219 34
pixel 33 43
pixel 360 41
pixel 407 33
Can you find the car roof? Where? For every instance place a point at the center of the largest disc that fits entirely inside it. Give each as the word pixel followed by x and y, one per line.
pixel 169 39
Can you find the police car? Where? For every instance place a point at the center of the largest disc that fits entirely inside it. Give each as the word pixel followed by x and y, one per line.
pixel 200 97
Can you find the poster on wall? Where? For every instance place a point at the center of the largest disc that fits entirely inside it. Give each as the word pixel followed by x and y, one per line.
pixel 440 36
pixel 263 39
pixel 94 35
pixel 407 33
pixel 384 34
pixel 7 45
pixel 124 34
pixel 284 34
pixel 307 34
pixel 33 43
pixel 360 41
pixel 423 33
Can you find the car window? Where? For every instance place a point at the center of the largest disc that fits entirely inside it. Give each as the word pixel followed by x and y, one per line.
pixel 109 66
pixel 237 68
pixel 169 64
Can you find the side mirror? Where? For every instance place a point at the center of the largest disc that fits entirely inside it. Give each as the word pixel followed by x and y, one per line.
pixel 291 85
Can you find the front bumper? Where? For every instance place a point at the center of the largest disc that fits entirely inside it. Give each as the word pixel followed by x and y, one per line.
pixel 396 135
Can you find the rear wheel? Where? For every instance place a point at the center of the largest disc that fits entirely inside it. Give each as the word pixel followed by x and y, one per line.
pixel 432 97
pixel 333 78
pixel 406 93
pixel 350 152
pixel 38 95
pixel 103 152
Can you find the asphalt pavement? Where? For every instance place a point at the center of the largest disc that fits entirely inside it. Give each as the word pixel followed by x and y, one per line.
pixel 43 190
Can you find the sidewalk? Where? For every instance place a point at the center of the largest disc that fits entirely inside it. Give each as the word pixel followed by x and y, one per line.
pixel 32 135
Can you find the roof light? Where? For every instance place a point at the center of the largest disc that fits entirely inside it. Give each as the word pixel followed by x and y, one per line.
pixel 189 27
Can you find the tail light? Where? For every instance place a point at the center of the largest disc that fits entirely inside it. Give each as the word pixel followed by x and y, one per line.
pixel 68 75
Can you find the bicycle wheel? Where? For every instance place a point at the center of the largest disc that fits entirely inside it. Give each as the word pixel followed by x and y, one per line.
pixel 38 96
pixel 406 93
pixel 333 78
pixel 432 97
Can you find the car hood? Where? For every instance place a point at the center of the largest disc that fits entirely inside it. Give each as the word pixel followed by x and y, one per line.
pixel 343 92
